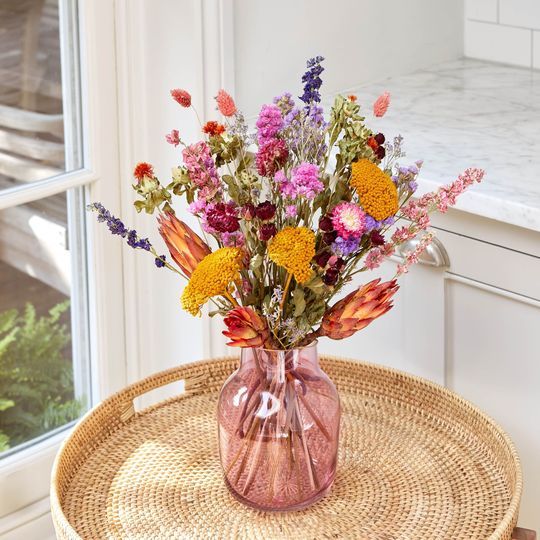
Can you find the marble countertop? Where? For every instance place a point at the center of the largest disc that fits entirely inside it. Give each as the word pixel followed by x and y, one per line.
pixel 470 113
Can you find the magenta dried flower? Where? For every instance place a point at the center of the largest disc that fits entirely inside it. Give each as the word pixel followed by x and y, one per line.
pixel 267 231
pixel 269 123
pixel 223 218
pixel 265 210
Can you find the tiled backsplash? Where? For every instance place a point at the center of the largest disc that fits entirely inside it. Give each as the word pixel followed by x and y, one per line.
pixel 505 31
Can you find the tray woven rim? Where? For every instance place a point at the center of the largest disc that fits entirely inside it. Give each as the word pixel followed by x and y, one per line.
pixel 196 385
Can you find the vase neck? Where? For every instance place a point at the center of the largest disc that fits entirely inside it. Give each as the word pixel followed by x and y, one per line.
pixel 277 362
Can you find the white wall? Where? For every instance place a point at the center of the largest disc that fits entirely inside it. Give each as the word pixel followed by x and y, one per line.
pixel 363 41
pixel 506 31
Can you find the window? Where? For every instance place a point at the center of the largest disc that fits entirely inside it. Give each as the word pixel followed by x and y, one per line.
pixel 44 360
pixel 61 284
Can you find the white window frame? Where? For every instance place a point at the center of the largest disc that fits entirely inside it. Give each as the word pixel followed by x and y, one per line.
pixel 24 476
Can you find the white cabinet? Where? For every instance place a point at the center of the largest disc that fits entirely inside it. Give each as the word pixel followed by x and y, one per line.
pixel 475 327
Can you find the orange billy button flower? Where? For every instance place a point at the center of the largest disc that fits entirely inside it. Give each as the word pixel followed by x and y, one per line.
pixel 293 248
pixel 358 309
pixel 376 191
pixel 211 277
pixel 245 328
pixel 186 247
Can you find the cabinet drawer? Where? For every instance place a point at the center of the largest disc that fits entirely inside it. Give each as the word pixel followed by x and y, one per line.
pixel 494 265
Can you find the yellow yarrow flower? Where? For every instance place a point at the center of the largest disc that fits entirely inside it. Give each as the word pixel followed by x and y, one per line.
pixel 293 248
pixel 376 191
pixel 211 277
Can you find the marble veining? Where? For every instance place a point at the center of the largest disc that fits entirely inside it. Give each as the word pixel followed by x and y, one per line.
pixel 470 113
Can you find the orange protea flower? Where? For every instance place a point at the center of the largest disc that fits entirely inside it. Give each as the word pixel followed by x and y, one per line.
pixel 143 169
pixel 211 277
pixel 213 128
pixel 377 193
pixel 187 248
pixel 293 248
pixel 358 309
pixel 245 328
pixel 225 103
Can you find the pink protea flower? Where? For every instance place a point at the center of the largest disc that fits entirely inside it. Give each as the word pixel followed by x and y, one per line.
pixel 269 123
pixel 225 103
pixel 349 220
pixel 271 157
pixel 381 104
pixel 173 137
pixel 181 97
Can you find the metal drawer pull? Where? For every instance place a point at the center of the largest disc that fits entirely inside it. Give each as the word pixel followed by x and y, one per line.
pixel 434 255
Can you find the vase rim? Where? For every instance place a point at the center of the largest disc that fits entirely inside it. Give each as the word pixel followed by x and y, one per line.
pixel 309 346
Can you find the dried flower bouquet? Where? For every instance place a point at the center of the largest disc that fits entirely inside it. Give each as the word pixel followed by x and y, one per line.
pixel 290 214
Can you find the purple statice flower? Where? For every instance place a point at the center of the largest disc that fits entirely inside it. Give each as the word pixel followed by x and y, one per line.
pixel 285 103
pixel 202 169
pixel 312 81
pixel 160 261
pixel 234 239
pixel 304 130
pixel 372 224
pixel 344 247
pixel 116 226
pixel 269 123
pixel 406 176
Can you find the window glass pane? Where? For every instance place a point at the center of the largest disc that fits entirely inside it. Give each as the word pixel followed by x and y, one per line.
pixel 43 359
pixel 35 142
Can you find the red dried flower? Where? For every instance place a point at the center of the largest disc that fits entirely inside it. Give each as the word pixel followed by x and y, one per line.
pixel 322 258
pixel 325 224
pixel 267 231
pixel 265 210
pixel 225 103
pixel 222 218
pixel 352 97
pixel 182 97
pixel 213 128
pixel 248 211
pixel 143 169
pixel 271 157
pixel 377 239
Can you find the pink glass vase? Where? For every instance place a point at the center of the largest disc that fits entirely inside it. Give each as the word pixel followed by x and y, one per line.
pixel 278 417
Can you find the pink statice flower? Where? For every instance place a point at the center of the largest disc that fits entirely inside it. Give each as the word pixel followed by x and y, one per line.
pixel 271 157
pixel 374 258
pixel 377 255
pixel 349 220
pixel 225 103
pixel 269 123
pixel 235 239
pixel 182 97
pixel 381 104
pixel 173 137
pixel 412 256
pixel 197 207
pixel 304 182
pixel 202 169
pixel 305 179
pixel 291 211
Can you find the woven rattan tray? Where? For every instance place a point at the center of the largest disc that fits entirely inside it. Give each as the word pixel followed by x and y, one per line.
pixel 416 462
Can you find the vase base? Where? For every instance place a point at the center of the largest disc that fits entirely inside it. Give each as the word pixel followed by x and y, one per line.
pixel 276 507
